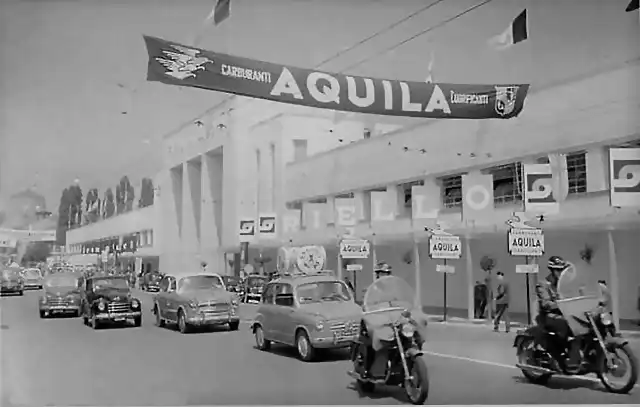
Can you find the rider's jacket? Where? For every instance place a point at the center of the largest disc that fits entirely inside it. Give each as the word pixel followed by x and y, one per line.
pixel 547 292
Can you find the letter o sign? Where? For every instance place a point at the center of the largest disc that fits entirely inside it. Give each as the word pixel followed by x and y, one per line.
pixel 473 193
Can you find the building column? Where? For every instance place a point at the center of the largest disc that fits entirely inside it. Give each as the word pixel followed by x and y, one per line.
pixel 190 219
pixel 416 263
pixel 211 210
pixel 470 279
pixel 170 195
pixel 614 283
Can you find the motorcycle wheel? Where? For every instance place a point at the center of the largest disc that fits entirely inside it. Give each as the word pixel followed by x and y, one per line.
pixel 417 389
pixel 525 357
pixel 622 352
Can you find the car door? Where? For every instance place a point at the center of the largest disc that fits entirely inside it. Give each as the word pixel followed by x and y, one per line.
pixel 284 312
pixel 265 312
pixel 171 300
pixel 159 298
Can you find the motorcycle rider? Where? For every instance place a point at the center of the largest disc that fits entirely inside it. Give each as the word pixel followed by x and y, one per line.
pixel 550 316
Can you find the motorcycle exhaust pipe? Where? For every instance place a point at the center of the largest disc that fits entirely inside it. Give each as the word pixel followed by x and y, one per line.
pixel 536 369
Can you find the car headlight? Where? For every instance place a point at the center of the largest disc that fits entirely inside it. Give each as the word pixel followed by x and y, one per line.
pixel 102 306
pixel 135 304
pixel 234 302
pixel 605 317
pixel 43 300
pixel 193 304
pixel 408 330
pixel 320 325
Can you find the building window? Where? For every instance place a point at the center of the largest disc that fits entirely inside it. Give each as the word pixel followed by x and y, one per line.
pixel 451 191
pixel 367 134
pixel 318 201
pixel 577 173
pixel 348 195
pixel 406 189
pixel 507 183
pixel 294 205
pixel 150 242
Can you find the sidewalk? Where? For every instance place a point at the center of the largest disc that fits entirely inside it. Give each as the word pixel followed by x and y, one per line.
pixel 518 320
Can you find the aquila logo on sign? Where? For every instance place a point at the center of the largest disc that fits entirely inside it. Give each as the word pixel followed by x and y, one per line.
pixel 354 249
pixel 267 225
pixel 526 242
pixel 176 64
pixel 247 229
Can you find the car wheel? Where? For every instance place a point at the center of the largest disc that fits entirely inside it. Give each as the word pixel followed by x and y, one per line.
pixel 304 348
pixel 43 314
pixel 261 342
pixel 183 326
pixel 137 321
pixel 159 320
pixel 95 324
pixel 233 326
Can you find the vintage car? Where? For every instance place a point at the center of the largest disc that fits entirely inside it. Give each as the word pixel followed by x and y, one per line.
pixel 253 287
pixel 151 282
pixel 234 285
pixel 108 299
pixel 308 311
pixel 12 281
pixel 195 300
pixel 61 295
pixel 32 278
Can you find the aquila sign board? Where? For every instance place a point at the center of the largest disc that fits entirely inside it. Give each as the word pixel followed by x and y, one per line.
pixel 175 64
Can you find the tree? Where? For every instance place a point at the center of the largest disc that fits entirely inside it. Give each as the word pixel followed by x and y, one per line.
pixel 110 206
pixel 124 195
pixel 63 217
pixel 146 193
pixel 91 205
pixel 36 252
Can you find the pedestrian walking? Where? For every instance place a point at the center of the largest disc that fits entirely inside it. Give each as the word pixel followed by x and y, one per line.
pixel 502 303
pixel 480 299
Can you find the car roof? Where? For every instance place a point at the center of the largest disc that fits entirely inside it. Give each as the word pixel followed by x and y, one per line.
pixel 296 280
pixel 66 274
pixel 99 276
pixel 181 276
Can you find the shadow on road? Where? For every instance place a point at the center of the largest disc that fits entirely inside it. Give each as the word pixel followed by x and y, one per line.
pixel 324 355
pixel 565 383
pixel 381 392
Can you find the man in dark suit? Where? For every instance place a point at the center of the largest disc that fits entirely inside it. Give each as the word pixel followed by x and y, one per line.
pixel 502 303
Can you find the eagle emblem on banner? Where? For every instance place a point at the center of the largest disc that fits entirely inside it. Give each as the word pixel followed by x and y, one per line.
pixel 184 63
pixel 506 97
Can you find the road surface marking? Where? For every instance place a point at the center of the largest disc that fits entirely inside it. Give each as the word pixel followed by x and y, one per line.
pixel 503 365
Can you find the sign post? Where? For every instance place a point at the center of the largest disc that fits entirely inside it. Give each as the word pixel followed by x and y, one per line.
pixel 445 246
pixel 526 243
pixel 352 248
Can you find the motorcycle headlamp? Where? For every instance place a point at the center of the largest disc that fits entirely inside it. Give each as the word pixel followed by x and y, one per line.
pixel 605 317
pixel 320 325
pixel 193 304
pixel 102 306
pixel 408 330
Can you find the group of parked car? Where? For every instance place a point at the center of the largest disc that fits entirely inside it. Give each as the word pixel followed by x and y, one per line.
pixel 248 289
pixel 15 279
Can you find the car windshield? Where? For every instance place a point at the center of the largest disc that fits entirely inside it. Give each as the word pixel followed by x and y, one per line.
pixel 61 280
pixel 256 281
pixel 32 273
pixel 200 283
pixel 102 283
pixel 323 291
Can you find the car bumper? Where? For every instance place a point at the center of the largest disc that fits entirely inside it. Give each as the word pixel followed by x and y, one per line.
pixel 60 308
pixel 120 316
pixel 332 342
pixel 201 319
pixel 11 288
pixel 33 285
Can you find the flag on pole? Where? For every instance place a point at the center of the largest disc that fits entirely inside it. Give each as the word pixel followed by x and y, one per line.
pixel 221 11
pixel 517 31
pixel 430 69
pixel 633 5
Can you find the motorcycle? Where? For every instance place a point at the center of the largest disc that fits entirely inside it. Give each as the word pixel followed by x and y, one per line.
pixel 542 354
pixel 390 321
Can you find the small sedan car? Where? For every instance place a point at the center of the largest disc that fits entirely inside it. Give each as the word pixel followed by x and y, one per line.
pixel 194 301
pixel 61 295
pixel 32 278
pixel 108 299
pixel 253 288
pixel 308 311
pixel 234 285
pixel 12 281
pixel 151 282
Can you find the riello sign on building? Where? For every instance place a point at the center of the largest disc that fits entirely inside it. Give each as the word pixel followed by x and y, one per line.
pixel 175 64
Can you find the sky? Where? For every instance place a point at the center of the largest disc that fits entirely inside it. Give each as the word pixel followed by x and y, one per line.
pixel 74 102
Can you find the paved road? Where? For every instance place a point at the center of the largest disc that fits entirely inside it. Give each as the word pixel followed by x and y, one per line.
pixel 62 362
